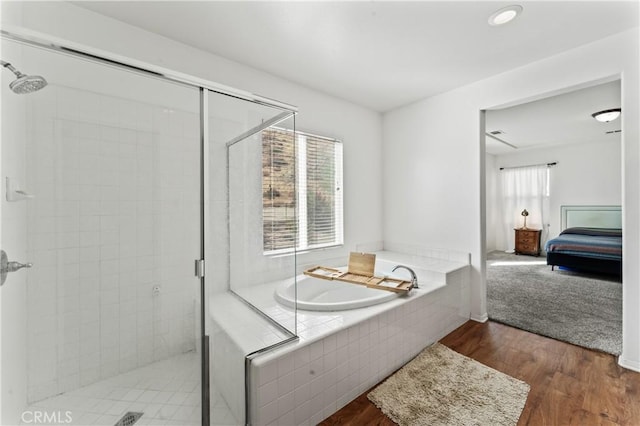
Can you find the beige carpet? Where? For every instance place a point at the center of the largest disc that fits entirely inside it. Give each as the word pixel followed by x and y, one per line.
pixel 442 387
pixel 582 309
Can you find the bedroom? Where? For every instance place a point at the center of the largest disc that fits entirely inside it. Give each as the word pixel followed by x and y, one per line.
pixel 580 162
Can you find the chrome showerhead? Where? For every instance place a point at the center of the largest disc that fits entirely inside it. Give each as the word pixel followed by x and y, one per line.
pixel 27 84
pixel 24 83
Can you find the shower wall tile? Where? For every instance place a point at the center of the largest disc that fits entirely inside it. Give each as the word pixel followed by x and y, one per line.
pixel 115 215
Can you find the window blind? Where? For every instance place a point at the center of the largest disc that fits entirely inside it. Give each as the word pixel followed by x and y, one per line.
pixel 278 190
pixel 301 170
pixel 323 191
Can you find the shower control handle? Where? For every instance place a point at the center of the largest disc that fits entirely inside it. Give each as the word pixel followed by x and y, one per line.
pixel 14 266
pixel 6 266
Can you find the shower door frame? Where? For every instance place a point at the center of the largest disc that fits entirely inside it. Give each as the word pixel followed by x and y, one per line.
pixel 204 87
pixel 87 53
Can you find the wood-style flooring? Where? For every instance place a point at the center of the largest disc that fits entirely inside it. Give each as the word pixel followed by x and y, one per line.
pixel 570 385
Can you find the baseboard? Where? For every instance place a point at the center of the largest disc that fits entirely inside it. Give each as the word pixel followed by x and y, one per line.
pixel 483 318
pixel 629 365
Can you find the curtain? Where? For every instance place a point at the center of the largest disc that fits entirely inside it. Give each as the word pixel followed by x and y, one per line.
pixel 524 188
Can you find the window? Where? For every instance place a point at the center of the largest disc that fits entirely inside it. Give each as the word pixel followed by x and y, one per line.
pixel 304 170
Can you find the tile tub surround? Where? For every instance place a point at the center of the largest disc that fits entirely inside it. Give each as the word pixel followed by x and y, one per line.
pixel 235 330
pixel 341 354
pixel 425 252
pixel 434 273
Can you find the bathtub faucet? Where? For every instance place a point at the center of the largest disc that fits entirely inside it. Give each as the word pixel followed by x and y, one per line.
pixel 414 278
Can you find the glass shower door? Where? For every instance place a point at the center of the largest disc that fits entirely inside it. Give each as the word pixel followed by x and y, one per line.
pixel 243 316
pixel 101 179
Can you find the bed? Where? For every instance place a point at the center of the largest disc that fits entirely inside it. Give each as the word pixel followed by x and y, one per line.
pixel 591 240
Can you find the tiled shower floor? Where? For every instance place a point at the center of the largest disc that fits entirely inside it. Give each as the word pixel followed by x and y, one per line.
pixel 167 392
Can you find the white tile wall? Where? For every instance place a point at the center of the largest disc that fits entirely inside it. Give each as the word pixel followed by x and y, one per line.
pixel 426 252
pixel 227 371
pixel 235 331
pixel 116 186
pixel 304 385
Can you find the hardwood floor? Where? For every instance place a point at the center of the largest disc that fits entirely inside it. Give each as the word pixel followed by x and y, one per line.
pixel 570 385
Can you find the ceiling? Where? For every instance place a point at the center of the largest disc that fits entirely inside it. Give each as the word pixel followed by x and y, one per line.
pixel 380 55
pixel 559 120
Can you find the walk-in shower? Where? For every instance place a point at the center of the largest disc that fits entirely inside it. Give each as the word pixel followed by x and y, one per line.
pixel 23 83
pixel 130 182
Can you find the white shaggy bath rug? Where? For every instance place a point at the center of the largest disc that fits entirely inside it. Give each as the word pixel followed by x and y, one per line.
pixel 443 387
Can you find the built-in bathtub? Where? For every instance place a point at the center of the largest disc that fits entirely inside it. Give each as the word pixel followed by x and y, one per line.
pixel 316 294
pixel 342 353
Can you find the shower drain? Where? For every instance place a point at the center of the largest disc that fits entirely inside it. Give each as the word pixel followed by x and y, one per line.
pixel 129 419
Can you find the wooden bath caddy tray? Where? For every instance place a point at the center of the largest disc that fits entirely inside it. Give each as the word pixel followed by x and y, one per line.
pixel 382 283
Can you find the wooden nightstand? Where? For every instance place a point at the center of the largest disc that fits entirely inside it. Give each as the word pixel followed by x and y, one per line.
pixel 528 241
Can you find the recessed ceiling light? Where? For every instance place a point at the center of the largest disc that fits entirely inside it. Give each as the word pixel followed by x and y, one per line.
pixel 607 115
pixel 504 15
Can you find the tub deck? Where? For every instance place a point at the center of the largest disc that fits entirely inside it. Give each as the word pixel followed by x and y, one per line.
pixel 313 325
pixel 341 354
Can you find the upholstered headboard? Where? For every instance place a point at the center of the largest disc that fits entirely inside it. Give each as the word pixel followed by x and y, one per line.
pixel 591 216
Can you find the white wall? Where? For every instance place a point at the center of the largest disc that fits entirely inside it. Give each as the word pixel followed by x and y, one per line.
pixel 586 174
pixel 440 145
pixel 492 202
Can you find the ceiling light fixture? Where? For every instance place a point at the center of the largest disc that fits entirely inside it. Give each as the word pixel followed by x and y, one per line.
pixel 504 15
pixel 607 115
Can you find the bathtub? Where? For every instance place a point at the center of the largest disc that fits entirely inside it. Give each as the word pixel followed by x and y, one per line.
pixel 316 294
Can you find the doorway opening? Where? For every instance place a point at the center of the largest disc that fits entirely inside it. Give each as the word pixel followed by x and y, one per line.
pixel 579 159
